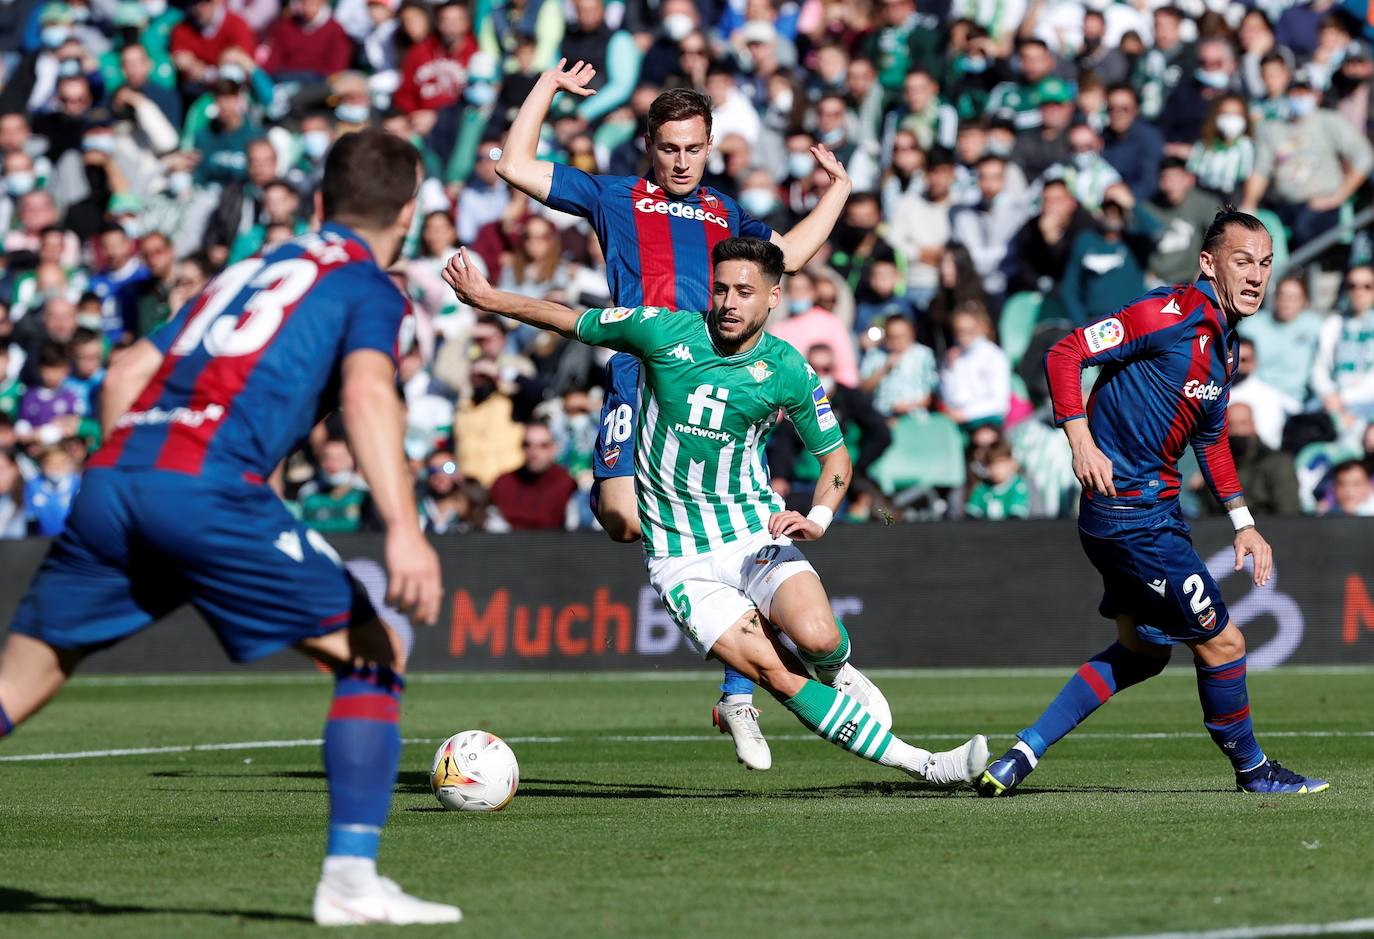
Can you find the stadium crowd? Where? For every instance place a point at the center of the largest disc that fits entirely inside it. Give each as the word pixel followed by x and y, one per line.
pixel 1019 167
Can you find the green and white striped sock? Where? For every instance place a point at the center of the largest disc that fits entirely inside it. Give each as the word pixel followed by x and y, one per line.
pixel 828 666
pixel 835 716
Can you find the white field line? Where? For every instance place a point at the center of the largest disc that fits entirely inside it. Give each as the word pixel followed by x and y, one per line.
pixel 602 738
pixel 1345 928
pixel 609 676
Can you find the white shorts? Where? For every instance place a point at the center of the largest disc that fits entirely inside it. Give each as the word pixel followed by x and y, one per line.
pixel 707 593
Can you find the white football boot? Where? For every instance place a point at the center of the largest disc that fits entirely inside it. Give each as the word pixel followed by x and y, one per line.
pixel 357 901
pixel 854 683
pixel 960 765
pixel 741 722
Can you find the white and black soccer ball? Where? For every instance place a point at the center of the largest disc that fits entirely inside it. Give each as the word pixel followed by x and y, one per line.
pixel 474 771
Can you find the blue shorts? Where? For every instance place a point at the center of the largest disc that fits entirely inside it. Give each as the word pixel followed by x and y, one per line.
pixel 139 544
pixel 1151 572
pixel 615 443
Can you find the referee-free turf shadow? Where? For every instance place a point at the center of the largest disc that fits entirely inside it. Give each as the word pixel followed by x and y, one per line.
pixel 534 787
pixel 14 901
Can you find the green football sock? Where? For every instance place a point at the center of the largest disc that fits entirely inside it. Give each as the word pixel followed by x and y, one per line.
pixel 838 718
pixel 827 666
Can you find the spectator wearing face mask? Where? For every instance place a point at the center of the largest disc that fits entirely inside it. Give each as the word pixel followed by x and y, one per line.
pixel 1224 158
pixel 1306 169
pixel 1087 173
pixel 208 30
pixel 809 324
pixel 1044 243
pixel 919 226
pixel 1106 267
pixel 987 229
pixel 336 500
pixel 1215 76
pixel 1268 476
pixel 118 283
pixel 223 142
pixel 452 505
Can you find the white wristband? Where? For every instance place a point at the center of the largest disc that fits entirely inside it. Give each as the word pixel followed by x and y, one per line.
pixel 822 515
pixel 1241 518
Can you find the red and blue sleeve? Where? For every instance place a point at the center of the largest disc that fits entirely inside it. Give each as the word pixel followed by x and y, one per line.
pixel 1212 445
pixel 1139 331
pixel 573 190
pixel 376 311
pixel 749 227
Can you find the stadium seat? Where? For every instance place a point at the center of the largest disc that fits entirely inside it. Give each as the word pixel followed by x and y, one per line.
pixel 1314 462
pixel 927 453
pixel 1019 316
pixel 1279 234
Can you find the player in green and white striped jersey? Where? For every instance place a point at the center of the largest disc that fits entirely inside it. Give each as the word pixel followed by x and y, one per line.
pixel 718 539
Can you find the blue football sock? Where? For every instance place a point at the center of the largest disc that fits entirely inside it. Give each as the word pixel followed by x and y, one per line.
pixel 1226 712
pixel 1113 669
pixel 362 746
pixel 735 683
pixel 6 725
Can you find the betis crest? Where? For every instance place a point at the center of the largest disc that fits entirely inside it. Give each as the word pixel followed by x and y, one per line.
pixel 759 370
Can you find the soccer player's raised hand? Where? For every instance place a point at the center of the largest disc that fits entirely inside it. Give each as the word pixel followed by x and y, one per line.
pixel 830 163
pixel 1251 542
pixel 573 80
pixel 466 280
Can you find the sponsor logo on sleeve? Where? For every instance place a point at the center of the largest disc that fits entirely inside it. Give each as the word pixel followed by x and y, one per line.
pixel 615 314
pixel 825 415
pixel 1107 334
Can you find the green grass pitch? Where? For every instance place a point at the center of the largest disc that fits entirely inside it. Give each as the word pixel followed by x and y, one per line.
pixel 1130 826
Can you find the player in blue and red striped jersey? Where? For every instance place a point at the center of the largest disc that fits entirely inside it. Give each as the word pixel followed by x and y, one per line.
pixel 174 508
pixel 1167 362
pixel 657 232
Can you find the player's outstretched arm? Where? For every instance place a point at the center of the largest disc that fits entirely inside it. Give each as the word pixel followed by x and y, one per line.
pixel 836 472
pixel 806 237
pixel 374 418
pixel 519 164
pixel 474 290
pixel 128 375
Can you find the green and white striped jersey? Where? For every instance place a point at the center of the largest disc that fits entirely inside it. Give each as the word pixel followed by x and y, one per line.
pixel 703 421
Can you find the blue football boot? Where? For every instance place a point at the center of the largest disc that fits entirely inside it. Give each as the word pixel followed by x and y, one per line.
pixel 1271 776
pixel 1007 771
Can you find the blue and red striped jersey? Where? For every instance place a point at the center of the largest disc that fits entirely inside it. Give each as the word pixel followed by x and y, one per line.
pixel 1167 361
pixel 252 363
pixel 658 249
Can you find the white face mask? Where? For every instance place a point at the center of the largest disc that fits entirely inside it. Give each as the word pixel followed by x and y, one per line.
pixel 1302 105
pixel 315 143
pixel 800 164
pixel 178 182
pixel 783 103
pixel 154 8
pixel 20 183
pixel 678 26
pixel 1230 126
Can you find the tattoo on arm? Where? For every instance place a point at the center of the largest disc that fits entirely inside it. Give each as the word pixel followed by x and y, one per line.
pixel 836 482
pixel 1231 505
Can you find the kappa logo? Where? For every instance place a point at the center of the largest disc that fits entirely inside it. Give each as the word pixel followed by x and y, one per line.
pixel 1172 307
pixel 649 312
pixel 1196 389
pixel 680 351
pixel 1202 342
pixel 1159 586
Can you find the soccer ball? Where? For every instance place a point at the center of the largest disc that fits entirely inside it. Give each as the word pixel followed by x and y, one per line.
pixel 474 772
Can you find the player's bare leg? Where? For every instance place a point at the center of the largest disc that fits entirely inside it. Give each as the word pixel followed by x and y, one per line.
pixel 752 647
pixel 801 609
pixel 362 748
pixel 31 673
pixel 1225 698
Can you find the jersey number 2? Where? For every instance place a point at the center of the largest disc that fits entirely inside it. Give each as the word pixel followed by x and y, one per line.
pixel 275 287
pixel 1198 600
